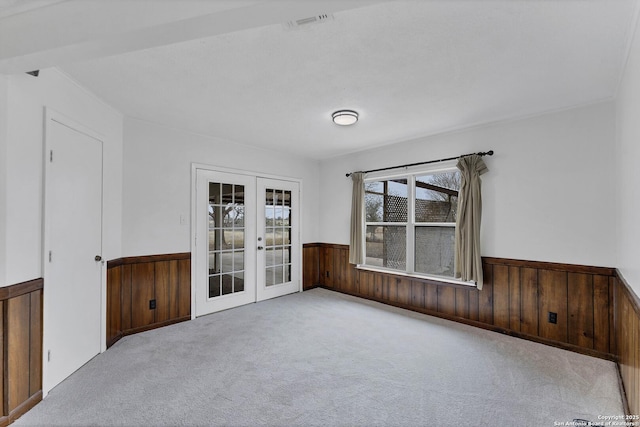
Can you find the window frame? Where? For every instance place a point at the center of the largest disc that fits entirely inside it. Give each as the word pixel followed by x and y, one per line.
pixel 410 174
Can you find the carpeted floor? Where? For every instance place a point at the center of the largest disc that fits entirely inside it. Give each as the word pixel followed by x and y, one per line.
pixel 323 358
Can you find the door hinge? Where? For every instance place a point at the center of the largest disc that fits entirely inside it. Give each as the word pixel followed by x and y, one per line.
pixel 49 256
pixel 51 156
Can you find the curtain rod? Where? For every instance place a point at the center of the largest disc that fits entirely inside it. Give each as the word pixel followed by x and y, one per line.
pixel 486 153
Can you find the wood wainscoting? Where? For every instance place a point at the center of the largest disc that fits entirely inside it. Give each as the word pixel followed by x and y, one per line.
pixel 627 338
pixel 135 284
pixel 598 314
pixel 21 348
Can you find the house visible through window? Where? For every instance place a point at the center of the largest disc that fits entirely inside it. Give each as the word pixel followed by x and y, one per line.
pixel 410 222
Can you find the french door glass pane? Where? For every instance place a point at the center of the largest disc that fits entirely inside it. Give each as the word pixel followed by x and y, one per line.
pixel 226 239
pixel 270 257
pixel 227 284
pixel 287 273
pixel 277 236
pixel 214 286
pixel 434 250
pixel 238 282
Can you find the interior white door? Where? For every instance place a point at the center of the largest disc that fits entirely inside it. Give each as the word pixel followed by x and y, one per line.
pixel 72 251
pixel 278 224
pixel 225 237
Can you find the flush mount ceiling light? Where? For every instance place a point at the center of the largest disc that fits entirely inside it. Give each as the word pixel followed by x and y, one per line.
pixel 345 117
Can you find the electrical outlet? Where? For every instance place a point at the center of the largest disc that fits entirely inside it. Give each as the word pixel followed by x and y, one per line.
pixel 152 304
pixel 553 317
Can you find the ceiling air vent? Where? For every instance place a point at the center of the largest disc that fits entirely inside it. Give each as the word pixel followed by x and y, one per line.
pixel 307 22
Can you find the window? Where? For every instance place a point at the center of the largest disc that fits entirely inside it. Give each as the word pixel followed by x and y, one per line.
pixel 410 222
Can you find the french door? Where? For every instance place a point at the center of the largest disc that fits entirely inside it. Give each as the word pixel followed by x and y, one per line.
pixel 247 246
pixel 278 245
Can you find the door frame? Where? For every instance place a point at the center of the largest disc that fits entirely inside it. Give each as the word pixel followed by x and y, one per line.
pixel 213 168
pixel 55 116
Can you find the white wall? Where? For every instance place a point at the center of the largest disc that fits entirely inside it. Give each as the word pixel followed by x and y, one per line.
pixel 3 176
pixel 628 177
pixel 157 183
pixel 548 195
pixel 27 97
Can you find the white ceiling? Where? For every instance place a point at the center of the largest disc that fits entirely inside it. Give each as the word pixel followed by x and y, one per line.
pixel 410 68
pixel 13 7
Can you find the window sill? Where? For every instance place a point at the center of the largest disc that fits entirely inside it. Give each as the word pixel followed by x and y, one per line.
pixel 422 277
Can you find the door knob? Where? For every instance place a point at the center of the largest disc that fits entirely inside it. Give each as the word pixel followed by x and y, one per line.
pixel 260 248
pixel 98 258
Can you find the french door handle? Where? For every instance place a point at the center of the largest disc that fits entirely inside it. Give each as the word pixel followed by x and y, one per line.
pixel 260 248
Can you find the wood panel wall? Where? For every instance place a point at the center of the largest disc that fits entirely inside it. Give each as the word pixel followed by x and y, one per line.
pixel 135 281
pixel 597 312
pixel 516 298
pixel 20 348
pixel 627 342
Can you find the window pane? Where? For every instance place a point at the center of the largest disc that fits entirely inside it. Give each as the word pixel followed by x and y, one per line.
pixel 286 198
pixel 269 236
pixel 373 207
pixel 239 195
pixel 434 250
pixel 395 209
pixel 287 273
pixel 238 282
pixel 214 239
pixel 238 261
pixel 270 257
pixel 386 201
pixel 216 214
pixel 397 187
pixel 386 246
pixel 238 216
pixel 227 193
pixel 226 262
pixel 269 197
pixel 214 286
pixel 215 262
pixel 270 276
pixel 227 284
pixel 227 238
pixel 235 237
pixel 214 193
pixel 437 197
pixel 286 215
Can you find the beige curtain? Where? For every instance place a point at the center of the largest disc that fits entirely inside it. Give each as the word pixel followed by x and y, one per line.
pixel 468 261
pixel 356 245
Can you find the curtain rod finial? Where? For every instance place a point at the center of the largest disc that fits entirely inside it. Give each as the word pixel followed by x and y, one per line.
pixel 490 152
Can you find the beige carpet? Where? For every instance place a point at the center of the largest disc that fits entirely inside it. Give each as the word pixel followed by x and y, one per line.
pixel 323 358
